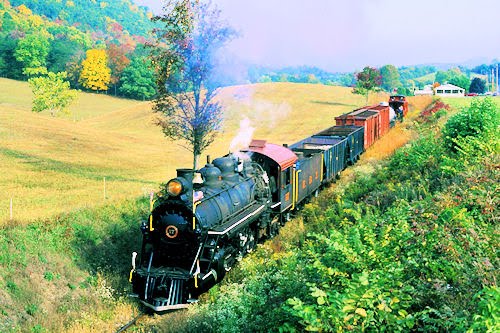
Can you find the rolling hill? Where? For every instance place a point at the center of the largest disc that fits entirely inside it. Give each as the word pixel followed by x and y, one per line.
pixel 54 165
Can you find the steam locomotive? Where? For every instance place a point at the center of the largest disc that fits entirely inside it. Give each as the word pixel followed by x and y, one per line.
pixel 209 219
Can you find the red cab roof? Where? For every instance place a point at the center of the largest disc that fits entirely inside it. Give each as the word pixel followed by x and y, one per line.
pixel 281 155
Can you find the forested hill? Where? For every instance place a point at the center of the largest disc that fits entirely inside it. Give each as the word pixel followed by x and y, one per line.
pixel 93 15
pixel 99 45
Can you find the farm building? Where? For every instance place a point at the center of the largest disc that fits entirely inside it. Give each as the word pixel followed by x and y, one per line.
pixel 449 90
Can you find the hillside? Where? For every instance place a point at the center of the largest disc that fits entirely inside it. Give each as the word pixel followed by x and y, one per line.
pixel 93 16
pixel 52 165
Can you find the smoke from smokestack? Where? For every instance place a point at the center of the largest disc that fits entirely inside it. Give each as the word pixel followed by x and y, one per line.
pixel 244 136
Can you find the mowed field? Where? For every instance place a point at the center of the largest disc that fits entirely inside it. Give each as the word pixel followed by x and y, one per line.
pixel 52 165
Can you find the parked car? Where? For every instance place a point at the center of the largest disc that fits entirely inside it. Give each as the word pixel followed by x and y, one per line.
pixel 471 94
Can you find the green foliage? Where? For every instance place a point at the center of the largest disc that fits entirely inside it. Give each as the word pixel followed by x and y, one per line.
pixel 453 76
pixel 138 80
pixel 51 92
pixel 461 81
pixel 32 51
pixel 184 56
pixel 9 65
pixel 442 77
pixel 62 50
pixel 477 85
pixel 488 317
pixel 480 119
pixel 368 80
pixel 390 77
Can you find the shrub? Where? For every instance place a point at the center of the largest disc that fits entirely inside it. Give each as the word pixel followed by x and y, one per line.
pixel 481 118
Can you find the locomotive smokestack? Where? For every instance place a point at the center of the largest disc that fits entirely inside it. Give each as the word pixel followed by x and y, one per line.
pixel 208 159
pixel 285 145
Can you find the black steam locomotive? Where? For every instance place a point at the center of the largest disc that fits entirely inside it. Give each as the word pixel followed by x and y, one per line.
pixel 209 219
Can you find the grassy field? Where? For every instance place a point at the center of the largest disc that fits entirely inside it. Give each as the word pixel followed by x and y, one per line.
pixel 50 165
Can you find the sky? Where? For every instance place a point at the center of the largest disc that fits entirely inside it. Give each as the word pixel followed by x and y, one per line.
pixel 347 35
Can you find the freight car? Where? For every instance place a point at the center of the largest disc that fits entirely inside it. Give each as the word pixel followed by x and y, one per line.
pixel 206 220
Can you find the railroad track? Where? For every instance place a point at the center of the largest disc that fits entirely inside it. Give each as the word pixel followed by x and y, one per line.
pixel 130 323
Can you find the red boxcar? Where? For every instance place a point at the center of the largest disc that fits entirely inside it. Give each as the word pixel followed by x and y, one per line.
pixel 362 117
pixel 383 119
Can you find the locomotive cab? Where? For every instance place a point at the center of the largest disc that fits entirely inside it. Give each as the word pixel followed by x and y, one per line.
pixel 278 162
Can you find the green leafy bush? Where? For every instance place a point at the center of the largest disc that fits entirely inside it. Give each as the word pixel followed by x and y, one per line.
pixel 481 118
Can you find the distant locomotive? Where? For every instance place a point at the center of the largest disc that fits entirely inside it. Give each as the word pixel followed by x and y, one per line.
pixel 209 219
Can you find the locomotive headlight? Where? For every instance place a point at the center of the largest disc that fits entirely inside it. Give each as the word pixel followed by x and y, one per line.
pixel 174 187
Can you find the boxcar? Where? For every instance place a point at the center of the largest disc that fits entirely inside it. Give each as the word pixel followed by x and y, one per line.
pixel 362 117
pixel 383 119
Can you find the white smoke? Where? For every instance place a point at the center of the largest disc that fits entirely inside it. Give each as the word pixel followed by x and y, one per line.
pixel 244 136
pixel 273 113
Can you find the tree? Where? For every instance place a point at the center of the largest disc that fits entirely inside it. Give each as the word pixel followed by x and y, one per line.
pixel 51 92
pixel 461 81
pixel 477 86
pixel 32 52
pixel 366 81
pixel 185 62
pixel 62 50
pixel 137 80
pixel 117 62
pixel 9 66
pixel 390 77
pixel 442 77
pixel 95 72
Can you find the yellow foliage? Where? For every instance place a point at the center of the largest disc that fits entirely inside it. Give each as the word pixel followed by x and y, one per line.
pixel 95 74
pixel 70 3
pixel 103 5
pixel 35 21
pixel 24 10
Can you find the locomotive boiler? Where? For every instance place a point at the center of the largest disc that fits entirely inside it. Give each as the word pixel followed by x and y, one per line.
pixel 203 223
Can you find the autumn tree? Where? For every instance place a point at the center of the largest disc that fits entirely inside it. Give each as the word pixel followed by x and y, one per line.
pixel 390 77
pixel 185 63
pixel 367 81
pixel 51 92
pixel 117 62
pixel 95 72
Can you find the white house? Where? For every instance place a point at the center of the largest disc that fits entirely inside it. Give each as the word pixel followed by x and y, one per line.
pixel 449 90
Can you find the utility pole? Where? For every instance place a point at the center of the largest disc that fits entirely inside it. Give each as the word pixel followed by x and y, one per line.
pixel 497 78
pixel 492 80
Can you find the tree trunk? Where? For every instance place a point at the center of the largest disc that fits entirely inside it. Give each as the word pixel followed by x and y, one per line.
pixel 196 161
